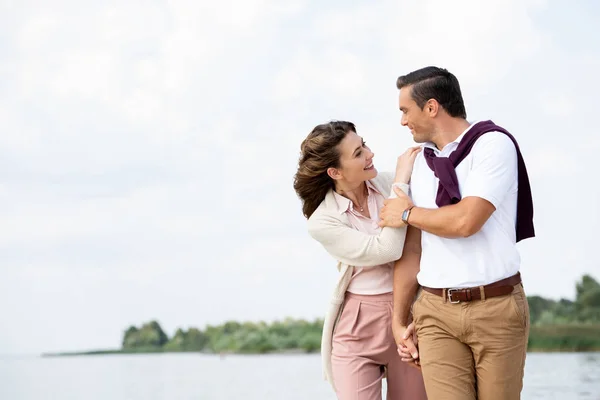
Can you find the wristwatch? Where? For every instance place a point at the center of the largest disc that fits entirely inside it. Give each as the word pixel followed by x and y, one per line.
pixel 406 214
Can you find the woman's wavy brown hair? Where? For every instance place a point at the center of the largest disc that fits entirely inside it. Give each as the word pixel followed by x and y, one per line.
pixel 318 152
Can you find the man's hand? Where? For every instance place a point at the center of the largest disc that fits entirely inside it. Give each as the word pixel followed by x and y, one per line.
pixel 406 339
pixel 391 213
pixel 408 347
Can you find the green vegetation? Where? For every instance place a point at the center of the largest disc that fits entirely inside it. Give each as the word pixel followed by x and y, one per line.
pixel 566 325
pixel 574 337
pixel 232 337
pixel 561 325
pixel 585 308
pixel 149 336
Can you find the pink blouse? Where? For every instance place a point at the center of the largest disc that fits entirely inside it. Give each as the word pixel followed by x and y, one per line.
pixel 367 280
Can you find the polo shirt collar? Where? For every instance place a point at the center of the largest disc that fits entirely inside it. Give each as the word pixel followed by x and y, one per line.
pixel 457 140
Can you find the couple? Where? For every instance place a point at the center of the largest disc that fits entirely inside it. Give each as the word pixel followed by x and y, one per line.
pixel 437 262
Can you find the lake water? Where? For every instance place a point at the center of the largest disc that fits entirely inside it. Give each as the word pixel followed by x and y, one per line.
pixel 564 376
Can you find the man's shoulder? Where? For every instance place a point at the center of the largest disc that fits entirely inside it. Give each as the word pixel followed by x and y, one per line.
pixel 495 142
pixel 420 165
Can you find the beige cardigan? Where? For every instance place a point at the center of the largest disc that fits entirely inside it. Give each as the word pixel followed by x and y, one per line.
pixel 351 248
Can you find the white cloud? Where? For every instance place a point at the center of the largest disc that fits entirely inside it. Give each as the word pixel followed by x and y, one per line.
pixel 553 162
pixel 558 104
pixel 333 74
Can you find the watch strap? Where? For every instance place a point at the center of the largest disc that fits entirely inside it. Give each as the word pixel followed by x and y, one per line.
pixel 406 214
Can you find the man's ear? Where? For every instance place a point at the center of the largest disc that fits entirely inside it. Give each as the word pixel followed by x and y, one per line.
pixel 432 107
pixel 334 173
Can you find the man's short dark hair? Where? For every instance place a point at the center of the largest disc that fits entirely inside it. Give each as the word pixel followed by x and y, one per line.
pixel 435 83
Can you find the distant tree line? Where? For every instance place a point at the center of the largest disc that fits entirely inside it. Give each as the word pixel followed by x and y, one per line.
pixel 230 337
pixel 585 309
pixel 556 325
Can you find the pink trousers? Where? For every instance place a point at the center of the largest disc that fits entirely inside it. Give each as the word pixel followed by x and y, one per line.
pixel 364 352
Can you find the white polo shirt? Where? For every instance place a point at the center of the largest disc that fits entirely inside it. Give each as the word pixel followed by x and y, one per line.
pixel 489 171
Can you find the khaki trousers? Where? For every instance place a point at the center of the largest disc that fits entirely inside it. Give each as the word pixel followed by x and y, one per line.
pixel 472 350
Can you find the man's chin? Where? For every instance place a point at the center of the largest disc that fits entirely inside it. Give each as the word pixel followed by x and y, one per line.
pixel 418 138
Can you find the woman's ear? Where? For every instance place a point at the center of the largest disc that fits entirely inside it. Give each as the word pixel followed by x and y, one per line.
pixel 334 173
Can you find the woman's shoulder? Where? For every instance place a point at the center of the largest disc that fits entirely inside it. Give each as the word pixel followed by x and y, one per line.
pixel 323 215
pixel 326 216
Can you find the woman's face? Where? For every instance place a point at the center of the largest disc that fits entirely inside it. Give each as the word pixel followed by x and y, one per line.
pixel 356 160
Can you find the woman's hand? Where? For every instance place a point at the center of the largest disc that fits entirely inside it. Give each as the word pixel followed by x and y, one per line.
pixel 406 340
pixel 404 165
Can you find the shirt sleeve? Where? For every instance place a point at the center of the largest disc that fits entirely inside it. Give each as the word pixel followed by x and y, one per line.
pixel 354 247
pixel 494 169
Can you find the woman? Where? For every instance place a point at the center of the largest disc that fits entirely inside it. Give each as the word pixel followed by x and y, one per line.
pixel 342 194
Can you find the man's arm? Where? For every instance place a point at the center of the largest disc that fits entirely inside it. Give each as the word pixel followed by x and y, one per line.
pixel 493 175
pixel 405 288
pixel 405 276
pixel 458 220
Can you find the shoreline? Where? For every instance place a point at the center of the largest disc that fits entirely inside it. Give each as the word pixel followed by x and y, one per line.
pixel 109 352
pixel 303 337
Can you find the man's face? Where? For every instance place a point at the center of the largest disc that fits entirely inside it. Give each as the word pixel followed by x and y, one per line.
pixel 418 121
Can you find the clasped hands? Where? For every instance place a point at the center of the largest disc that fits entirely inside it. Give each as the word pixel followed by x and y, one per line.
pixel 407 342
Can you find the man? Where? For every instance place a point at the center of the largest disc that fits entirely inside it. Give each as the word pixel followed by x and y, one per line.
pixel 472 204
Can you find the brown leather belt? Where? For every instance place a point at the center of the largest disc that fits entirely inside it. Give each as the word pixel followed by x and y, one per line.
pixel 457 295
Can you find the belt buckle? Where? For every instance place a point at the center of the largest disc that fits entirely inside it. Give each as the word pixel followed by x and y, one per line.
pixel 449 294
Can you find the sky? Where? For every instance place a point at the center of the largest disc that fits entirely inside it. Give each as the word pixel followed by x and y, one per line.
pixel 148 148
